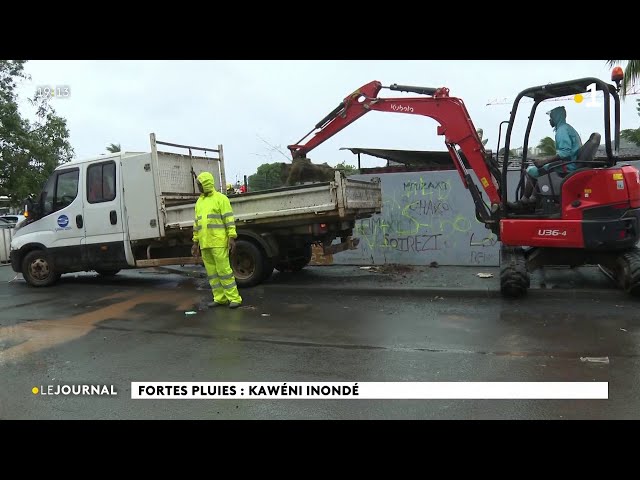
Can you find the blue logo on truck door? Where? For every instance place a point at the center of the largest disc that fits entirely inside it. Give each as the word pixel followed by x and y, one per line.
pixel 63 223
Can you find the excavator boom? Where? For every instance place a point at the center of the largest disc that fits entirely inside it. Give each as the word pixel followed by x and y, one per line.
pixel 454 124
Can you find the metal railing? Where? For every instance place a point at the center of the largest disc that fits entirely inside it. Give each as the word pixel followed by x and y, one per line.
pixel 6 234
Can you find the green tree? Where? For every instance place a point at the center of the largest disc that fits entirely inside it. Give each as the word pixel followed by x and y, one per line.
pixel 547 146
pixel 347 169
pixel 632 134
pixel 631 73
pixel 29 151
pixel 268 175
pixel 113 148
pixel 512 153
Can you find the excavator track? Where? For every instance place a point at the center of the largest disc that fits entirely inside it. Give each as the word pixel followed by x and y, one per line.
pixel 514 276
pixel 629 276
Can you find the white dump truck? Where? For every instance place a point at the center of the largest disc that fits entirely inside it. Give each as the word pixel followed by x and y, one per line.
pixel 136 209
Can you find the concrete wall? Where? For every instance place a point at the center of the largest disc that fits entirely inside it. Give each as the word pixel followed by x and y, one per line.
pixel 426 217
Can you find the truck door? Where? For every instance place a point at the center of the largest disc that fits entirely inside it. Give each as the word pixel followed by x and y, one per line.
pixel 61 228
pixel 103 219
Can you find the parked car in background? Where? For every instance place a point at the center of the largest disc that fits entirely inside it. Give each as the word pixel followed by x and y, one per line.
pixel 13 219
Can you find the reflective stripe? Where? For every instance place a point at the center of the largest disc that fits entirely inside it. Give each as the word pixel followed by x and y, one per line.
pixel 214 215
pixel 199 217
pixel 214 284
pixel 215 225
pixel 230 224
pixel 199 227
pixel 228 214
pixel 211 277
pixel 226 277
pixel 231 285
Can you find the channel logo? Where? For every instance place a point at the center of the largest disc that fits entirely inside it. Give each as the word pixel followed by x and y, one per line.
pixel 76 390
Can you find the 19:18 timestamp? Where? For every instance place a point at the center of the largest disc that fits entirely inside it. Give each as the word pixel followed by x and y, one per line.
pixel 59 91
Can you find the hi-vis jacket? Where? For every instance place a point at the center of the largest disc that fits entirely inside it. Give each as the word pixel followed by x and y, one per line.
pixel 214 223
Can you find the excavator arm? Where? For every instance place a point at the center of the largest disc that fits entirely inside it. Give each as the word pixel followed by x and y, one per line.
pixel 454 124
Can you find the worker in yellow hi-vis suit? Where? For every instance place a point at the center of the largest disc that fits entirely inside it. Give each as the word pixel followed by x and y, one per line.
pixel 214 234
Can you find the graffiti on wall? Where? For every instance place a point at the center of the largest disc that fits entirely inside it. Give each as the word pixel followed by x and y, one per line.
pixel 418 218
pixel 426 217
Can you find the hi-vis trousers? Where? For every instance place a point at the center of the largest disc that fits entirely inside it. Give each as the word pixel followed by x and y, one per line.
pixel 220 275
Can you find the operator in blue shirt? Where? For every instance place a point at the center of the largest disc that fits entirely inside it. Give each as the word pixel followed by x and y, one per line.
pixel 568 144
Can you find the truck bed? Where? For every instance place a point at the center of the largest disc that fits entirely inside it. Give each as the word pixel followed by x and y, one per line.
pixel 340 200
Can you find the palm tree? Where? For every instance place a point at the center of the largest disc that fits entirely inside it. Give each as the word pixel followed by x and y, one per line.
pixel 547 146
pixel 113 148
pixel 631 73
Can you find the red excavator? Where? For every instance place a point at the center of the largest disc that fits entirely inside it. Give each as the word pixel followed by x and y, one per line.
pixel 589 216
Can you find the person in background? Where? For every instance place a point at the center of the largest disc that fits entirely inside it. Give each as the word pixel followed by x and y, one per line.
pixel 214 237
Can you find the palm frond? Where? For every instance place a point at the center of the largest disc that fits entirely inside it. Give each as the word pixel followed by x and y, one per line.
pixel 631 73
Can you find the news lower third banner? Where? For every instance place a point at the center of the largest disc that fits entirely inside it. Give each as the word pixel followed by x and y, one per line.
pixel 370 390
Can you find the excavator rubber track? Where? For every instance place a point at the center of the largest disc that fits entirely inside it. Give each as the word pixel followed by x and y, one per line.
pixel 630 272
pixel 514 276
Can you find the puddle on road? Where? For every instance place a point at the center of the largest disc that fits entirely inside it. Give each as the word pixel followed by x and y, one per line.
pixel 30 337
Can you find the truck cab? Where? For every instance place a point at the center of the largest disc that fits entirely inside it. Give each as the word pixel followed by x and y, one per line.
pixel 75 224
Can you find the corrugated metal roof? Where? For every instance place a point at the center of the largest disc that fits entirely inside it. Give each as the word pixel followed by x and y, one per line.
pixel 437 160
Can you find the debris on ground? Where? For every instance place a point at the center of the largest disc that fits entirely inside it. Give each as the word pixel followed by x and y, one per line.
pixel 595 359
pixel 394 268
pixel 623 329
pixel 265 314
pixel 389 269
pixel 434 265
pixel 485 275
pixel 371 269
pixel 248 307
pixel 191 312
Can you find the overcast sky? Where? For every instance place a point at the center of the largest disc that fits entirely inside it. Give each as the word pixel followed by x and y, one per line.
pixel 254 107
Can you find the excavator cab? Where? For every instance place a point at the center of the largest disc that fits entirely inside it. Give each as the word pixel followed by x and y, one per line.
pixel 548 189
pixel 589 215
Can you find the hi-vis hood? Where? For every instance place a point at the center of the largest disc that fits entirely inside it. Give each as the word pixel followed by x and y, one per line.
pixel 206 179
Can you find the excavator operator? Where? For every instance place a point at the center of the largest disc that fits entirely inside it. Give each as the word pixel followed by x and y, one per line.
pixel 568 143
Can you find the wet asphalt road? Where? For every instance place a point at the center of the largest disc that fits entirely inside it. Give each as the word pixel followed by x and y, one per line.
pixel 88 330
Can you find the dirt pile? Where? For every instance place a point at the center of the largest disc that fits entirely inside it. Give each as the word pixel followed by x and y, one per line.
pixel 302 170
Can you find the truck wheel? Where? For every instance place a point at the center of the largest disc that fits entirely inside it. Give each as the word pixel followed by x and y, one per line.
pixel 248 264
pixel 514 277
pixel 107 273
pixel 301 258
pixel 38 269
